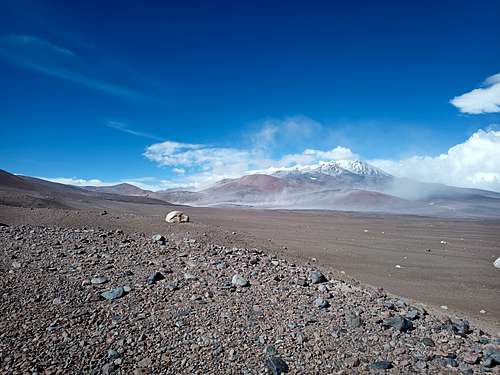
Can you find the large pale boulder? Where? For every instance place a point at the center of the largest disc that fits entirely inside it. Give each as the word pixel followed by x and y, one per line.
pixel 177 217
pixel 497 263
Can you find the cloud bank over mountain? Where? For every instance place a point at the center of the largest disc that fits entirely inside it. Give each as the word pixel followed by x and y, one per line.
pixel 473 163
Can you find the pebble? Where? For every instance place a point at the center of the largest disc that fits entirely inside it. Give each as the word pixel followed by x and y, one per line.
pixel 98 280
pixel 154 278
pixel 381 365
pixel 239 280
pixel 317 277
pixel 276 365
pixel 398 322
pixel 113 293
pixel 321 303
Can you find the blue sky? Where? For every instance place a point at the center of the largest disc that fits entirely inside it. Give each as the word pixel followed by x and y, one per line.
pixel 185 93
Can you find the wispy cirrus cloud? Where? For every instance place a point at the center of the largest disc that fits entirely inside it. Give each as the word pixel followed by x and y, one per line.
pixel 41 56
pixel 485 99
pixel 125 129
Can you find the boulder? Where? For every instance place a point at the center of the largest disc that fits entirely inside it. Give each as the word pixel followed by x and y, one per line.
pixel 496 264
pixel 177 217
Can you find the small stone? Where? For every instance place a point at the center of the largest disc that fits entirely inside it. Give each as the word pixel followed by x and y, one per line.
pixel 427 341
pixel 277 365
pixel 301 282
pixel 471 358
pixel 461 327
pixel 412 314
pixel 381 365
pixel 159 239
pixel 465 369
pixel 352 319
pixel 172 286
pixel 270 350
pixel 108 368
pixel 98 280
pixel 113 293
pixel 317 277
pixel 451 362
pixel 239 280
pixel 16 264
pixel 157 276
pixel 321 303
pixel 496 263
pixel 398 322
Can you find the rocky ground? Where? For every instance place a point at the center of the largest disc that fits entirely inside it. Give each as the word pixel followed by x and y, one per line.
pixel 94 300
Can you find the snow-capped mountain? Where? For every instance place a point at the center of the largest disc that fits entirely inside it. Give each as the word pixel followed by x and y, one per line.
pixel 334 168
pixel 357 167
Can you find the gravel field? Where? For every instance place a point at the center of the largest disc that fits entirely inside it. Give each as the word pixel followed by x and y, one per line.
pixel 196 299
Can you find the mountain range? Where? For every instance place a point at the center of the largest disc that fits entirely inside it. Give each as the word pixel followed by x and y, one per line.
pixel 352 185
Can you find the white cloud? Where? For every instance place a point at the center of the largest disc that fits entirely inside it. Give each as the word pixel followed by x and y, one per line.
pixel 482 100
pixel 473 163
pixel 203 164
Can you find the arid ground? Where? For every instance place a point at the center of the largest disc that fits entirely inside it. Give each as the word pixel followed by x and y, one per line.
pixel 439 262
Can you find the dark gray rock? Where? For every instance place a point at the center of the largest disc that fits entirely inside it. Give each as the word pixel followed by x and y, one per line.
pixel 114 293
pixel 159 239
pixel 465 369
pixel 461 327
pixel 270 350
pixel 491 357
pixel 157 276
pixel 317 277
pixel 427 341
pixel 381 365
pixel 352 319
pixel 450 362
pixel 412 314
pixel 398 322
pixel 277 365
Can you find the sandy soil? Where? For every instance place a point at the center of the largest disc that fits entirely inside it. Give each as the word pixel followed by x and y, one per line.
pixel 457 273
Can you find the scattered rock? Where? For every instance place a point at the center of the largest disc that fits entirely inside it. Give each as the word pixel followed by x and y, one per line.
pixel 277 365
pixel 317 277
pixel 159 239
pixel 496 263
pixel 157 276
pixel 98 280
pixel 398 322
pixel 321 303
pixel 177 217
pixel 352 319
pixel 427 341
pixel 114 293
pixel 239 280
pixel 381 365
